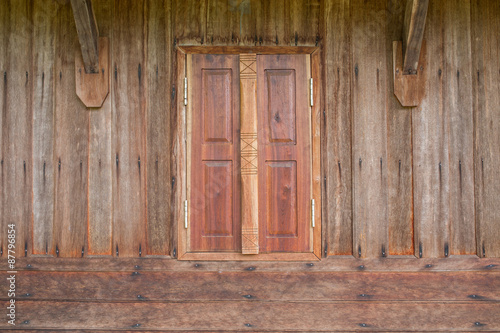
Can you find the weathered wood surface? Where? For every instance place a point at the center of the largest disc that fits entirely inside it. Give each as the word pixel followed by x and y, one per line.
pixel 369 134
pixel 71 147
pixel 413 34
pixel 88 34
pixel 101 157
pixel 16 134
pixel 160 105
pixel 399 151
pixel 459 119
pixel 337 263
pixel 256 286
pixel 129 119
pixel 44 37
pixel 262 316
pixel 93 88
pixel 336 129
pixel 486 87
pixel 431 164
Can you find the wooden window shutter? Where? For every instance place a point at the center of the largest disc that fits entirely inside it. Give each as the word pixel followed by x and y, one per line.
pixel 249 156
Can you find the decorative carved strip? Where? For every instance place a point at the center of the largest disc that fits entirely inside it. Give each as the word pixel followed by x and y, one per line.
pixel 249 158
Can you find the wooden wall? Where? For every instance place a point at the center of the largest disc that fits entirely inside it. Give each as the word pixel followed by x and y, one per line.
pixel 421 181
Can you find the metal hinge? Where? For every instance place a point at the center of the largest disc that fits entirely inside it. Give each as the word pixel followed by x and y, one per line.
pixel 185 214
pixel 312 93
pixel 185 91
pixel 312 213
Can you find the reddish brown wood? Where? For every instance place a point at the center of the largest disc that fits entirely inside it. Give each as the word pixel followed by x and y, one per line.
pixel 284 153
pixel 214 203
pixel 93 88
pixel 431 163
pixel 337 263
pixel 129 131
pixel 486 91
pixel 88 34
pixel 337 129
pixel 160 108
pixel 71 136
pixel 264 316
pixel 244 285
pixel 44 36
pixel 101 161
pixel 408 88
pixel 369 151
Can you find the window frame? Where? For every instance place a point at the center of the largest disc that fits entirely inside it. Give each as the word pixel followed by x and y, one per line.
pixel 181 69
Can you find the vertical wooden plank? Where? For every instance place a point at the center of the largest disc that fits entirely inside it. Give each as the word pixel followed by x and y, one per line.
pixel 71 145
pixel 129 120
pixel 159 135
pixel 189 22
pixel 430 148
pixel 248 155
pixel 4 28
pixel 486 54
pixel 101 156
pixel 458 110
pixel 370 227
pixel 223 21
pixel 336 141
pixel 17 126
pixel 316 116
pixel 179 161
pixel 399 153
pixel 304 22
pixel 44 35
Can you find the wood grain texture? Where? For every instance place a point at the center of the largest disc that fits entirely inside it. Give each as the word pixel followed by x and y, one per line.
pixel 337 129
pixel 159 135
pixel 129 132
pixel 16 135
pixel 284 156
pixel 249 155
pixel 431 161
pixel 316 133
pixel 369 152
pixel 223 21
pixel 100 220
pixel 189 22
pixel 71 147
pixel 485 16
pixel 214 191
pixel 44 41
pixel 399 147
pixel 4 34
pixel 176 286
pixel 331 264
pixel 93 88
pixel 88 34
pixel 413 33
pixel 263 316
pixel 459 113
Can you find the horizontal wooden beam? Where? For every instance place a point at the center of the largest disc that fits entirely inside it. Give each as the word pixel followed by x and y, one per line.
pixel 173 286
pixel 333 263
pixel 413 34
pixel 88 33
pixel 257 316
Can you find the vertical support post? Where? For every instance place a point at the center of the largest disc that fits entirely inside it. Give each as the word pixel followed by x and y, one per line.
pixel 249 163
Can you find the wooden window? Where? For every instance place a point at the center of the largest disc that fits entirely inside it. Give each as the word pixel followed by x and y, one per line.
pixel 251 141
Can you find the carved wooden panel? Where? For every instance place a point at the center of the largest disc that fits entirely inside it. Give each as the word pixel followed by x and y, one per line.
pixel 281 105
pixel 216 104
pixel 281 181
pixel 214 193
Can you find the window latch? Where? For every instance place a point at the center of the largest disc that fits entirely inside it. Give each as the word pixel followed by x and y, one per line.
pixel 312 92
pixel 185 91
pixel 312 213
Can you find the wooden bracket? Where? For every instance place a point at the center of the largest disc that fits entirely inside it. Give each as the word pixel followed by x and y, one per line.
pixel 408 76
pixel 408 88
pixel 91 88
